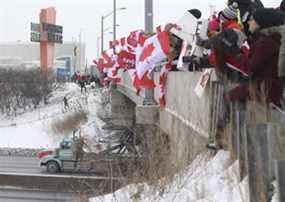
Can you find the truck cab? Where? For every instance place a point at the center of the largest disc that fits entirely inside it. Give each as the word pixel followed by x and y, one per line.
pixel 65 158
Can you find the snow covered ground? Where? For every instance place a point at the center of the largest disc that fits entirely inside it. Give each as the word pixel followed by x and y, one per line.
pixel 32 129
pixel 207 179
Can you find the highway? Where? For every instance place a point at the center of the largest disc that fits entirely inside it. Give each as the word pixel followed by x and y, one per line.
pixel 14 194
pixel 21 177
pixel 13 164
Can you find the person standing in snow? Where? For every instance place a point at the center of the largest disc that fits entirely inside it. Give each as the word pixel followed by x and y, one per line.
pixel 65 103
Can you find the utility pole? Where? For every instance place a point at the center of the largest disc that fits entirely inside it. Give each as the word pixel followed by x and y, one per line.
pixel 98 46
pixel 74 54
pixel 149 93
pixel 114 25
pixel 102 34
pixel 80 46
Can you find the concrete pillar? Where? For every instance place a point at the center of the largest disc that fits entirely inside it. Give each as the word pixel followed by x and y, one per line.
pixel 258 162
pixel 280 177
pixel 122 109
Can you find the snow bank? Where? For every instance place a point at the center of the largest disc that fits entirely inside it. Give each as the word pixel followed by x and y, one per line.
pixel 207 179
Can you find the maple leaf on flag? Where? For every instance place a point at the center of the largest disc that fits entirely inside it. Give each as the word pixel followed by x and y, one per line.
pixel 126 59
pixel 146 52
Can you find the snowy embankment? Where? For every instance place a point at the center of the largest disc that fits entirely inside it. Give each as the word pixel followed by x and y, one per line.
pixel 207 179
pixel 32 129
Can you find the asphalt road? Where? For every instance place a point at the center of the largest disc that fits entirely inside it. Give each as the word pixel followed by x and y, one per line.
pixel 13 194
pixel 14 164
pixel 21 179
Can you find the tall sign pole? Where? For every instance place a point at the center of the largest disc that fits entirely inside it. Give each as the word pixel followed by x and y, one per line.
pixel 47 15
pixel 148 13
pixel 47 34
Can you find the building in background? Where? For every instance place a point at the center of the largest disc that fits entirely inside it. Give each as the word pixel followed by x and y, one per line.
pixel 69 56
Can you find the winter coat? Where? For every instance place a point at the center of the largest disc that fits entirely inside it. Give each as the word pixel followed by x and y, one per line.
pixel 229 52
pixel 263 66
pixel 231 24
pixel 281 59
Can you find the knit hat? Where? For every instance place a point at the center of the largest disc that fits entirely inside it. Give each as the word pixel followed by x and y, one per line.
pixel 229 13
pixel 268 17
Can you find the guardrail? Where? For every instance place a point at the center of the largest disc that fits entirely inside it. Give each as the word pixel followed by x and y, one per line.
pixel 258 142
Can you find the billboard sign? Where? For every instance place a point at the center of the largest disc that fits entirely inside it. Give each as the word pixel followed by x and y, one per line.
pixel 46 32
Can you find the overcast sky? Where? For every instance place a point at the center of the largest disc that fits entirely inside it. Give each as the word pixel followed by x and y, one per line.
pixel 85 15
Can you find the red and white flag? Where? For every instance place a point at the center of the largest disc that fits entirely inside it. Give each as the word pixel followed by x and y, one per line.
pixel 162 82
pixel 133 38
pixel 154 50
pixel 126 60
pixel 202 83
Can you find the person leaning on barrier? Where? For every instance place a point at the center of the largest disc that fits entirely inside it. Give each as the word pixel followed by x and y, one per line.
pixel 265 86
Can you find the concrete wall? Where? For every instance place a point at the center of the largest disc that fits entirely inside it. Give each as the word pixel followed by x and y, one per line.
pixel 184 105
pixel 127 88
pixel 181 101
pixel 186 117
pixel 123 109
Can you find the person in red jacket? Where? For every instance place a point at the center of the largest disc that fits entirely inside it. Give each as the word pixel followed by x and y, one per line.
pixel 228 17
pixel 264 85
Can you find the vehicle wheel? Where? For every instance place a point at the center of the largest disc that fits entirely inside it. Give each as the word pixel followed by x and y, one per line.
pixel 52 167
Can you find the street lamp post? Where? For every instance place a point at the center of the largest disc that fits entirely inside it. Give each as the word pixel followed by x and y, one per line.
pixel 99 40
pixel 114 25
pixel 103 17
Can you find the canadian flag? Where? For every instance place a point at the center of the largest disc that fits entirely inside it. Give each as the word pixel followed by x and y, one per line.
pixel 112 72
pixel 126 60
pixel 154 50
pixel 107 55
pixel 135 80
pixel 162 82
pixel 133 38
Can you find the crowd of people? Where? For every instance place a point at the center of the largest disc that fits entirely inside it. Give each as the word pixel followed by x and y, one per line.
pixel 245 44
pixel 246 47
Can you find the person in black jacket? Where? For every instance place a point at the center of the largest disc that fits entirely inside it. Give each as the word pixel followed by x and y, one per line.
pixel 246 8
pixel 282 6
